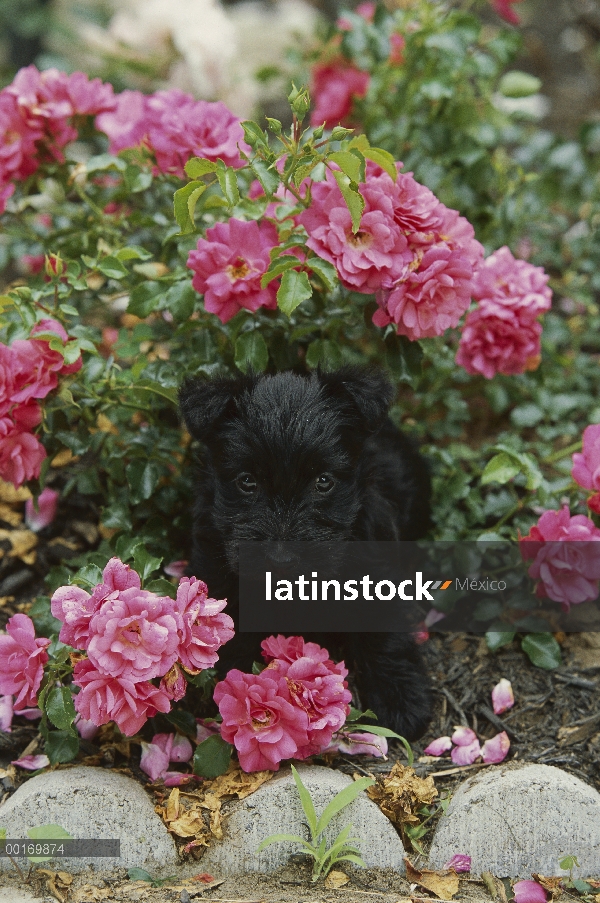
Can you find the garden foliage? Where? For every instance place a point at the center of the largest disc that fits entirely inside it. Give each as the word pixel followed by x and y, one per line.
pixel 147 238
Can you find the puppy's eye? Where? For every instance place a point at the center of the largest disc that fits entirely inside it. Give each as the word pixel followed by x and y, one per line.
pixel 246 483
pixel 324 483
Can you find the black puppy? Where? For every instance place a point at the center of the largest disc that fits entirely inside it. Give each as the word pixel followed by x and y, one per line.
pixel 310 457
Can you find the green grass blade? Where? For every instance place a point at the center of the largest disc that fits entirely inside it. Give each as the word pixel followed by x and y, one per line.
pixel 307 805
pixel 341 800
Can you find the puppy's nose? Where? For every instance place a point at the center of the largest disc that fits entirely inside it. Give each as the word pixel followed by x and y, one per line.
pixel 278 553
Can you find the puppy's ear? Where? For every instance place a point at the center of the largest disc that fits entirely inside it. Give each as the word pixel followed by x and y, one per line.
pixel 366 392
pixel 204 403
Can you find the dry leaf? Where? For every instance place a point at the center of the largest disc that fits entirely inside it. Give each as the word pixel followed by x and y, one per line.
pixel 23 543
pixel 89 893
pixel 105 425
pixel 10 515
pixel 204 877
pixel 442 883
pixel 63 457
pixel 336 879
pixel 172 805
pixel 12 496
pixel 58 883
pixel 401 793
pixel 236 782
pixel 553 885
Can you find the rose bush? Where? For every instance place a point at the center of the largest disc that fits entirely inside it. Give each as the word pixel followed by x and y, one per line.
pixel 170 239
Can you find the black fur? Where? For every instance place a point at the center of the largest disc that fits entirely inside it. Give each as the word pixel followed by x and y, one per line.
pixel 285 431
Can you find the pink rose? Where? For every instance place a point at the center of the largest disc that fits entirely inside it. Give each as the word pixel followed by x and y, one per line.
pixel 134 635
pixel 174 683
pixel 22 660
pixel 228 266
pixel 21 454
pixel 586 466
pixel 260 719
pixel 203 629
pixel 104 698
pixel 378 252
pixel 319 689
pixel 334 87
pixel 498 339
pixel 517 283
pixel 289 649
pixel 566 564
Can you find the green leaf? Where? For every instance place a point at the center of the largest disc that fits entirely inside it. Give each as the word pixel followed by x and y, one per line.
pixel 307 804
pixel 143 477
pixel 281 838
pixel 135 874
pixel 183 720
pixel 228 181
pixel 384 159
pixel 148 385
pixel 500 469
pixel 353 198
pixel 196 167
pixel 47 832
pixel 180 300
pixel 162 587
pixel 324 352
pixel 212 757
pixel 251 352
pixel 341 800
pixel 495 639
pixel 145 563
pixel 294 289
pixel 582 887
pixel 181 208
pixel 103 162
pixel 279 266
pixel 266 175
pixel 353 165
pixel 59 707
pixel 568 862
pixel 89 574
pixel 542 649
pixel 145 298
pixel 111 267
pixel 254 135
pixel 325 270
pixel 519 84
pixel 61 746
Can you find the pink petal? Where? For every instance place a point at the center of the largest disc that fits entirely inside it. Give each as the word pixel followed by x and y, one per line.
pixel 463 736
pixel 502 696
pixel 433 616
pixel 30 714
pixel 165 743
pixel 153 761
pixel 438 747
pixel 32 763
pixel 37 519
pixel 6 713
pixel 362 744
pixel 459 862
pixel 87 729
pixel 529 892
pixel 205 728
pixel 176 778
pixel 466 755
pixel 176 568
pixel 496 749
pixel 181 750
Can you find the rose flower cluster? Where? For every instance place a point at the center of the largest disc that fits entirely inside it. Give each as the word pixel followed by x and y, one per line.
pixel 502 334
pixel 291 710
pixel 132 637
pixel 29 370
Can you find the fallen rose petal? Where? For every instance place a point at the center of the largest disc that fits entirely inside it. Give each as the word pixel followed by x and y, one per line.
pixel 38 518
pixel 433 616
pixel 87 729
pixel 466 755
pixel 361 744
pixel 176 778
pixel 438 747
pixel 460 862
pixel 496 749
pixel 32 763
pixel 463 736
pixel 205 728
pixel 529 892
pixel 176 568
pixel 30 714
pixel 153 761
pixel 181 750
pixel 502 696
pixel 6 713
